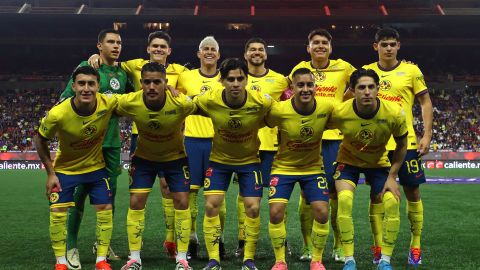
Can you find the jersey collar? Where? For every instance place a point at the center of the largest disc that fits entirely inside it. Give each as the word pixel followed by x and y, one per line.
pixel 368 116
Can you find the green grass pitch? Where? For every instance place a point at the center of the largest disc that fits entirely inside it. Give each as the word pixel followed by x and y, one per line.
pixel 450 239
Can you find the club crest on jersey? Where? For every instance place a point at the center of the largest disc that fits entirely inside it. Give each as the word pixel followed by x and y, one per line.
pixel 336 175
pixel 320 76
pixel 306 132
pixel 385 85
pixel 234 123
pixel 365 135
pixel 209 172
pixel 154 124
pixel 205 88
pixel 54 197
pixel 256 88
pixel 114 84
pixel 272 191
pixel 206 183
pixel 90 130
pixel 274 181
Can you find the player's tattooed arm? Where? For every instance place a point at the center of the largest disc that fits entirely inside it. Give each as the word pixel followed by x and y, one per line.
pixel 427 117
pixel 53 184
pixel 397 160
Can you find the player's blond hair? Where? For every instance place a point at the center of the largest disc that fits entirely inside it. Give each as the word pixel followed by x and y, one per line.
pixel 209 40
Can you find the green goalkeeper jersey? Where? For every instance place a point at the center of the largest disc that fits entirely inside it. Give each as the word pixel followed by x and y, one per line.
pixel 113 80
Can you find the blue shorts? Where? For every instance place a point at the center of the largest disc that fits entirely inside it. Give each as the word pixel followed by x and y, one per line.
pixel 375 177
pixel 329 154
pixel 198 152
pixel 143 173
pixel 96 184
pixel 217 179
pixel 314 187
pixel 411 173
pixel 266 160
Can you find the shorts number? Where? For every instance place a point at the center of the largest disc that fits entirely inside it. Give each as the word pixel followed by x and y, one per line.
pixel 257 178
pixel 107 181
pixel 186 172
pixel 322 182
pixel 413 166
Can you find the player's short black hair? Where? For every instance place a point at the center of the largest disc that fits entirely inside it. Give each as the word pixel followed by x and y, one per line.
pixel 255 40
pixel 160 35
pixel 104 32
pixel 301 71
pixel 386 33
pixel 319 32
pixel 361 72
pixel 87 70
pixel 231 64
pixel 153 67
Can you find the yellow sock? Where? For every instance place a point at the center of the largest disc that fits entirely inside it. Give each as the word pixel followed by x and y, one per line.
pixel 241 217
pixel 212 233
pixel 223 213
pixel 135 226
pixel 58 232
pixel 376 213
pixel 319 239
pixel 183 223
pixel 333 221
pixel 193 202
pixel 104 231
pixel 345 221
pixel 306 221
pixel 415 215
pixel 169 215
pixel 391 223
pixel 278 235
pixel 252 232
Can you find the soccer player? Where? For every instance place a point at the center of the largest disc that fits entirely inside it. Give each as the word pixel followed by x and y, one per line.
pixel 80 124
pixel 367 124
pixel 159 117
pixel 331 78
pixel 236 114
pixel 199 130
pixel 301 121
pixel 403 83
pixel 269 82
pixel 113 80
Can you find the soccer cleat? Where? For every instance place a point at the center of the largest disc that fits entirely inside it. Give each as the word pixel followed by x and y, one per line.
pixel 350 265
pixel 111 256
pixel 240 247
pixel 183 265
pixel 415 256
pixel 288 250
pixel 59 266
pixel 306 255
pixel 221 250
pixel 73 259
pixel 102 265
pixel 132 265
pixel 213 265
pixel 384 265
pixel 280 266
pixel 192 252
pixel 377 254
pixel 249 265
pixel 170 249
pixel 317 266
pixel 338 255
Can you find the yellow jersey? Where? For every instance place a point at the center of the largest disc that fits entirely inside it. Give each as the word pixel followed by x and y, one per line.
pixel 401 84
pixel 79 137
pixel 193 83
pixel 235 141
pixel 300 137
pixel 274 84
pixel 365 138
pixel 160 135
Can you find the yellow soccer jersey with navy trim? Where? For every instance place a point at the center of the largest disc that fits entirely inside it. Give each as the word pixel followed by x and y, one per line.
pixel 193 83
pixel 331 83
pixel 79 137
pixel 274 84
pixel 134 71
pixel 160 135
pixel 365 139
pixel 300 137
pixel 236 130
pixel 401 84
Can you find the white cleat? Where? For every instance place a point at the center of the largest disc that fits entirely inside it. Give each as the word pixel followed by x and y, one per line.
pixel 73 259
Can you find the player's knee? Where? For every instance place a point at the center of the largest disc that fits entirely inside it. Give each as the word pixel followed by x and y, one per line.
pixel 103 207
pixel 137 202
pixel 276 215
pixel 180 201
pixel 390 203
pixel 252 209
pixel 412 193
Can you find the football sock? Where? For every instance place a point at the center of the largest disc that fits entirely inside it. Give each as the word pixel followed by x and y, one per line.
pixel 169 215
pixel 415 215
pixel 278 234
pixel 376 213
pixel 104 231
pixel 252 232
pixel 306 221
pixel 212 233
pixel 135 227
pixel 193 202
pixel 183 225
pixel 319 239
pixel 345 221
pixel 58 232
pixel 391 223
pixel 333 221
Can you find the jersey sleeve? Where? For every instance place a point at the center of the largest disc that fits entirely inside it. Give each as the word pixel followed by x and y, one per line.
pixel 49 125
pixel 419 84
pixel 122 104
pixel 273 117
pixel 189 106
pixel 267 102
pixel 130 65
pixel 201 101
pixel 68 91
pixel 400 128
pixel 332 120
pixel 181 81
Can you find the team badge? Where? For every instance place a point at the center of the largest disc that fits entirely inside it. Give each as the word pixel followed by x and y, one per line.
pixel 274 181
pixel 206 183
pixel 385 85
pixel 272 191
pixel 256 88
pixel 336 175
pixel 90 130
pixel 234 123
pixel 320 76
pixel 114 84
pixel 306 132
pixel 154 124
pixel 366 135
pixel 54 197
pixel 209 172
pixel 204 88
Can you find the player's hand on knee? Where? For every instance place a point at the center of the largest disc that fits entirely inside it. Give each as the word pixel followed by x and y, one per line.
pixel 53 185
pixel 392 186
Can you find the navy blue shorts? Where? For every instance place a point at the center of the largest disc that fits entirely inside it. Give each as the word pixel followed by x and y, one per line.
pixel 266 160
pixel 217 179
pixel 314 187
pixel 198 152
pixel 411 173
pixel 329 154
pixel 375 177
pixel 96 184
pixel 144 172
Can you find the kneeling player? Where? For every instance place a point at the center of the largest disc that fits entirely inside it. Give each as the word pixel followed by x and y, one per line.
pixel 301 121
pixel 80 124
pixel 367 123
pixel 159 118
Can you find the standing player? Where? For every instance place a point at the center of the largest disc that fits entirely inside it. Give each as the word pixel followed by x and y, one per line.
pixel 269 82
pixel 236 114
pixel 367 123
pixel 402 83
pixel 199 129
pixel 331 78
pixel 159 117
pixel 80 124
pixel 113 80
pixel 301 121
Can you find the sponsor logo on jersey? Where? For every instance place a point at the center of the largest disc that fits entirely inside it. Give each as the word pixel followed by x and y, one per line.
pixel 171 112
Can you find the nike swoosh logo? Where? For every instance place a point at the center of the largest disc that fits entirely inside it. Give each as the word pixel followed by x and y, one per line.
pixel 365 124
pixel 258 188
pixel 255 81
pixel 205 81
pixel 86 122
pixel 383 76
